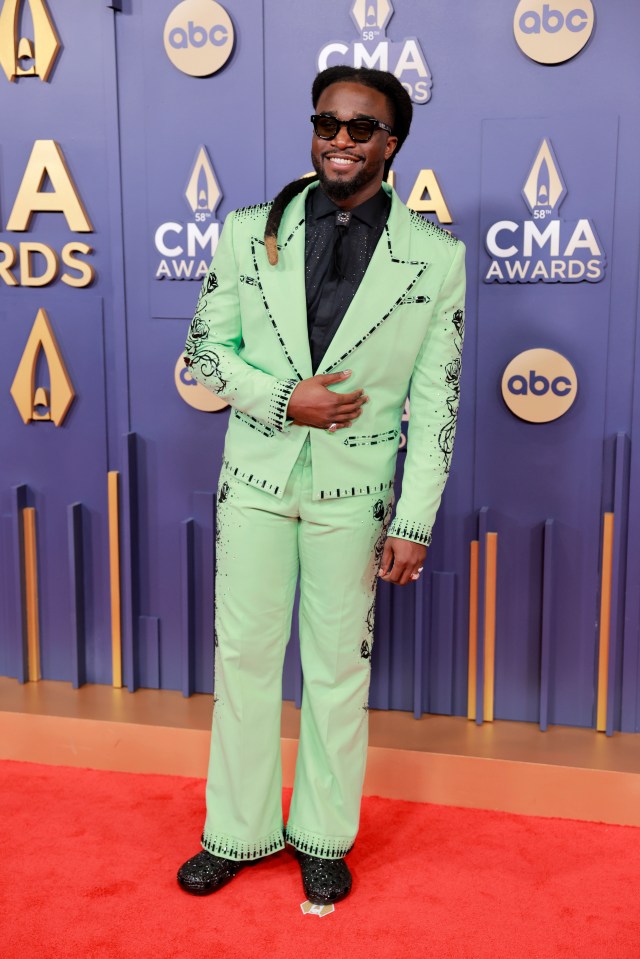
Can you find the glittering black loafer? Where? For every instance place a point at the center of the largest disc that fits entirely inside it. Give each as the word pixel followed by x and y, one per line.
pixel 206 873
pixel 325 880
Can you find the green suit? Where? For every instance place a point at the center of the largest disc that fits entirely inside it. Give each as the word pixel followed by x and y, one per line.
pixel 297 500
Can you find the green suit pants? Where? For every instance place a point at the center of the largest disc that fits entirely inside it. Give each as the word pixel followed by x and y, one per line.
pixel 263 545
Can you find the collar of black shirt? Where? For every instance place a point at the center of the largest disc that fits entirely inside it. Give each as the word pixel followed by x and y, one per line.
pixel 368 212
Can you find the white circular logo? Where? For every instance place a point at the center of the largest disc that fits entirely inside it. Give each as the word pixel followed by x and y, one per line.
pixel 539 385
pixel 194 393
pixel 553 32
pixel 198 37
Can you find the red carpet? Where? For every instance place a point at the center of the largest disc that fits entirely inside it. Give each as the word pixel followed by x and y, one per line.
pixel 89 860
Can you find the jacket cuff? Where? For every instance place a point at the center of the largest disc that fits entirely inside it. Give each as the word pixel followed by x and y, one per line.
pixel 405 529
pixel 277 414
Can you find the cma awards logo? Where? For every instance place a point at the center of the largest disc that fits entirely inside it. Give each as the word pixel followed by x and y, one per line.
pixel 404 58
pixel 544 247
pixel 50 401
pixel 19 55
pixel 187 249
pixel 198 37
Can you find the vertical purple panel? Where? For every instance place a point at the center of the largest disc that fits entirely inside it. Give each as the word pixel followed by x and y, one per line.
pixel 299 680
pixel 621 520
pixel 204 515
pixel 116 343
pixel 630 697
pixel 517 664
pixel 76 581
pixel 19 637
pixel 630 712
pixel 187 644
pixel 292 679
pixel 389 608
pixel 442 627
pixel 419 642
pixel 130 560
pixel 483 529
pixel 6 597
pixel 148 651
pixel 548 579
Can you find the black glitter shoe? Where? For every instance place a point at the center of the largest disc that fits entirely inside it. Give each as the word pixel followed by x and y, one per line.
pixel 324 880
pixel 206 873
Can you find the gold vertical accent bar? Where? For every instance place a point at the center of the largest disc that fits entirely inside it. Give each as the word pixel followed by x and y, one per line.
pixel 605 621
pixel 31 593
pixel 491 566
pixel 473 630
pixel 114 574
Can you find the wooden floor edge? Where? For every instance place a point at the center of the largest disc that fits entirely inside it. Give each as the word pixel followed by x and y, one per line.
pixel 502 785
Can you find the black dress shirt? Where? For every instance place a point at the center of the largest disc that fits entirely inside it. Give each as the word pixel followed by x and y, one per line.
pixel 332 280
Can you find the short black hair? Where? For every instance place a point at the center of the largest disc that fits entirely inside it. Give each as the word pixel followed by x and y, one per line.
pixel 401 108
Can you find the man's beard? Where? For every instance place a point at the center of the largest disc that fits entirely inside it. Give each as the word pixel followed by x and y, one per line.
pixel 342 189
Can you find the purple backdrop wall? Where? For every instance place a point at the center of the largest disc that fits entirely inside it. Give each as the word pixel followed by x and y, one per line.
pixel 130 126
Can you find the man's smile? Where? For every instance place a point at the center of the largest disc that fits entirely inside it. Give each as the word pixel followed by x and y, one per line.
pixel 340 161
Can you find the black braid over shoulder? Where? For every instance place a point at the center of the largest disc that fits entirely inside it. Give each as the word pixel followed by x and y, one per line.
pixel 402 109
pixel 278 207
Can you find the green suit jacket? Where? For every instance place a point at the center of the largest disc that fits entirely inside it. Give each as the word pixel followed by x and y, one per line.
pixel 402 334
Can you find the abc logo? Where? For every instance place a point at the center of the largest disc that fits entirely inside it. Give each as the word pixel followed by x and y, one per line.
pixel 198 37
pixel 539 385
pixel 194 393
pixel 553 32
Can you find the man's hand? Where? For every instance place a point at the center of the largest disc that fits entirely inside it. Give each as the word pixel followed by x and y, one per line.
pixel 312 404
pixel 402 561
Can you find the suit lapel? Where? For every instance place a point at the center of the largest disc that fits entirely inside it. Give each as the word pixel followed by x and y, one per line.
pixel 387 283
pixel 283 286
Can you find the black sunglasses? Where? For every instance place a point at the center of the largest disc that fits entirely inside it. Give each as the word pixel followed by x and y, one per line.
pixel 360 129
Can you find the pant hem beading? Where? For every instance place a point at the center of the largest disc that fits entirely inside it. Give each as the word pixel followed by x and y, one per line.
pixel 324 847
pixel 230 848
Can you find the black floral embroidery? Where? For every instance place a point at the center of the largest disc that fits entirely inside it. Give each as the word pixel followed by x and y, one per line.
pixel 452 380
pixel 378 548
pixel 211 282
pixel 209 285
pixel 458 322
pixel 199 330
pixel 225 492
pixel 198 354
pixel 367 643
pixel 382 514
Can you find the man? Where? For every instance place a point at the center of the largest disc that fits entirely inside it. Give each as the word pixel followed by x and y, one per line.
pixel 318 314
